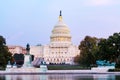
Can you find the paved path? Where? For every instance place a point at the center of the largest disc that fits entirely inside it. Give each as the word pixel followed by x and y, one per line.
pixel 59 72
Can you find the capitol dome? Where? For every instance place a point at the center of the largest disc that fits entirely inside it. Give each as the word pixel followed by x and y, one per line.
pixel 60 50
pixel 60 32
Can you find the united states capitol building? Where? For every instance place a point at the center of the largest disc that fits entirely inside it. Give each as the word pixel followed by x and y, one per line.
pixel 60 50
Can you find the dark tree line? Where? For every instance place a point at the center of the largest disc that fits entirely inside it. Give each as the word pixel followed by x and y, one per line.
pixel 109 49
pixel 5 55
pixel 93 49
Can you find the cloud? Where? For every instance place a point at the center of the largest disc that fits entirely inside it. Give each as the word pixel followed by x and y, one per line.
pixel 101 2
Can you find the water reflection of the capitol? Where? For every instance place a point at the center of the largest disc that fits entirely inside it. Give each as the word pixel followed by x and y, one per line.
pixel 39 77
pixel 63 77
pixel 26 77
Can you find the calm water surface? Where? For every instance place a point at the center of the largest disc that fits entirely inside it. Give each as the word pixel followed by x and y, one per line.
pixel 62 77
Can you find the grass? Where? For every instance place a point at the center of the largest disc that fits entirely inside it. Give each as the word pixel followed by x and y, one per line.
pixel 114 70
pixel 1 68
pixel 66 67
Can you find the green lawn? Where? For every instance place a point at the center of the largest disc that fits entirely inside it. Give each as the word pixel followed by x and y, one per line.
pixel 115 70
pixel 66 67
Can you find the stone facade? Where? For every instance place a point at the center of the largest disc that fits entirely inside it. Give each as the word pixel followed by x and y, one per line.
pixel 60 50
pixel 17 49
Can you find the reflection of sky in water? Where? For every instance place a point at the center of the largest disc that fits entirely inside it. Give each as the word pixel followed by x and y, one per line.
pixel 61 77
pixel 104 77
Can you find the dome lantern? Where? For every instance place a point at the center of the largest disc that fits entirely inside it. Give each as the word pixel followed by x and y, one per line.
pixel 60 16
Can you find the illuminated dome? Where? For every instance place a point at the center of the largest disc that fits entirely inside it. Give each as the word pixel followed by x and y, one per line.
pixel 61 32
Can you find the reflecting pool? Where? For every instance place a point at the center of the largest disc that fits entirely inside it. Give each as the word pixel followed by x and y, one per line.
pixel 61 77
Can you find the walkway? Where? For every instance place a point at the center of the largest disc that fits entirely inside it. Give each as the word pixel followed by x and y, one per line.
pixel 59 72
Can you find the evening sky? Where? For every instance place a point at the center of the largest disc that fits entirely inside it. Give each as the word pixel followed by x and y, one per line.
pixel 31 21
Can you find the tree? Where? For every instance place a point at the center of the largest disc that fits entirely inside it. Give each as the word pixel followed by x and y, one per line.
pixel 77 59
pixel 5 55
pixel 93 49
pixel 103 50
pixel 88 50
pixel 109 49
pixel 114 48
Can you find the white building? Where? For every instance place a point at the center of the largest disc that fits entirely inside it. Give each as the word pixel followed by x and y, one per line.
pixel 60 50
pixel 16 49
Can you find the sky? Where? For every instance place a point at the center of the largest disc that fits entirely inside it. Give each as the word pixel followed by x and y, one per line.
pixel 31 21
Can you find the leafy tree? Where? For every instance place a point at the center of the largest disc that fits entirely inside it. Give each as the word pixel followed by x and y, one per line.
pixel 88 50
pixel 93 49
pixel 114 42
pixel 103 50
pixel 5 55
pixel 77 59
pixel 109 49
pixel 114 50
